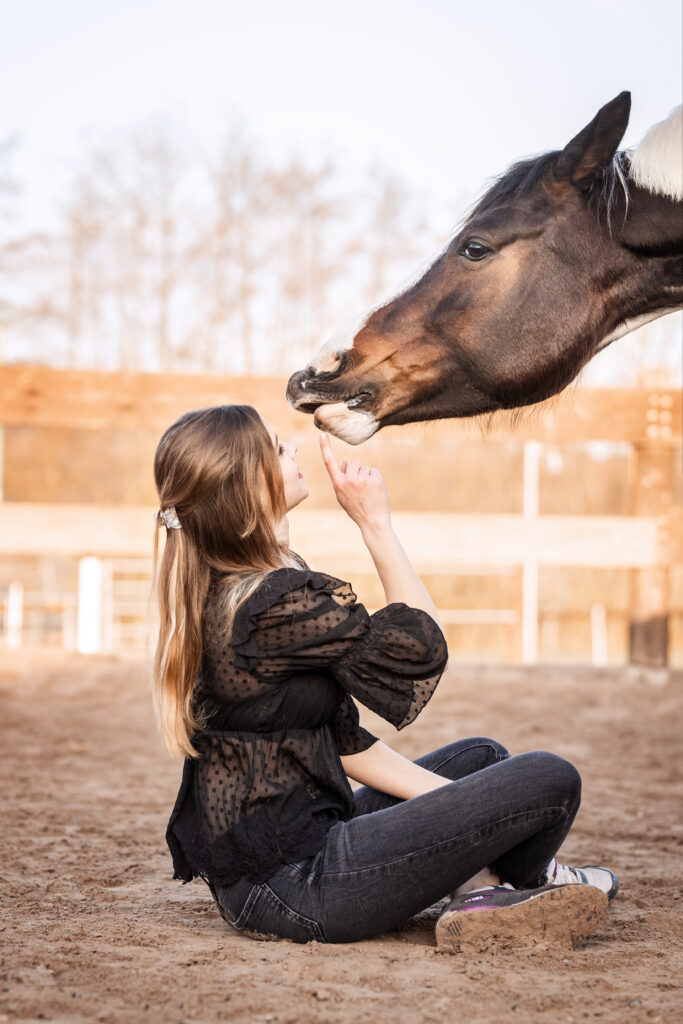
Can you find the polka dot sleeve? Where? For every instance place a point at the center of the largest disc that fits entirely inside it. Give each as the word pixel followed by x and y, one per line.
pixel 397 669
pixel 391 661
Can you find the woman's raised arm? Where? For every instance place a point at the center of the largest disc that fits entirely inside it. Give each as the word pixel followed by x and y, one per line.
pixel 363 495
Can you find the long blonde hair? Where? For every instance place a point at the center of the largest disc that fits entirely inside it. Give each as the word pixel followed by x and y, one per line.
pixel 220 471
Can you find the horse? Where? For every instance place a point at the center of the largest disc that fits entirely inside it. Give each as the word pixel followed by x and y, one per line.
pixel 565 253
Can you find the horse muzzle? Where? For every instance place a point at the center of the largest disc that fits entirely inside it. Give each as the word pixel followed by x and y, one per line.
pixel 301 393
pixel 307 391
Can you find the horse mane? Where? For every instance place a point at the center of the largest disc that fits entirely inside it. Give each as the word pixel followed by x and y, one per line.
pixel 517 181
pixel 522 177
pixel 656 164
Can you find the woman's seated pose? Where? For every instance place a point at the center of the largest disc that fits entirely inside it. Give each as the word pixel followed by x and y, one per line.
pixel 258 663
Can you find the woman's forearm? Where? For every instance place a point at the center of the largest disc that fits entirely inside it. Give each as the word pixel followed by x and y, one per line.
pixel 383 769
pixel 399 579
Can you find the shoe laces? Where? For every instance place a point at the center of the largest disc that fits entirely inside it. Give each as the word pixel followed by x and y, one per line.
pixel 563 874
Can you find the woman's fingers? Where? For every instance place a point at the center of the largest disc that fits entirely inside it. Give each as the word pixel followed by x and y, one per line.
pixel 360 489
pixel 331 465
pixel 357 470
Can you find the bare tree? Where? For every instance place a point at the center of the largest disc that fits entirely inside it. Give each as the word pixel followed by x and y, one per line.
pixel 129 228
pixel 308 254
pixel 165 260
pixel 27 298
pixel 233 244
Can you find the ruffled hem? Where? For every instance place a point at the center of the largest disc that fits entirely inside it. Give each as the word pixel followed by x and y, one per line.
pixel 225 866
pixel 235 855
pixel 275 586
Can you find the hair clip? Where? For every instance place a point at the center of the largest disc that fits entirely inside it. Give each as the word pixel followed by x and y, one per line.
pixel 169 517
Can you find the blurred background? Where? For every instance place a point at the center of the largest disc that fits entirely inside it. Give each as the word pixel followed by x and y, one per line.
pixel 192 197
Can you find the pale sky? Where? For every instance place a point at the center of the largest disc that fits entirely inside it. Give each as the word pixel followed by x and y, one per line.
pixel 444 92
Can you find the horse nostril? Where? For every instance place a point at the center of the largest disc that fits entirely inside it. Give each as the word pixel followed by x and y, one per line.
pixel 306 375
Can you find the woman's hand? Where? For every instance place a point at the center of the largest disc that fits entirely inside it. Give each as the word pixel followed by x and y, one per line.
pixel 360 490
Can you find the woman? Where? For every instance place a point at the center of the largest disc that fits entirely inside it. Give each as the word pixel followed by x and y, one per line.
pixel 258 662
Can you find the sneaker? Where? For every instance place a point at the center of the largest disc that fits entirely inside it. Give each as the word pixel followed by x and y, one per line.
pixel 498 918
pixel 601 878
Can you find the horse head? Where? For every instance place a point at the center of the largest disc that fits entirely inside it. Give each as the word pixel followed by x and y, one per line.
pixel 564 253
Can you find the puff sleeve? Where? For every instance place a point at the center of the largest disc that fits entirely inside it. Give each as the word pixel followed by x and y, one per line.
pixel 300 620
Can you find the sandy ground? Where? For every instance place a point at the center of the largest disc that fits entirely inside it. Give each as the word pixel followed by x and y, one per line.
pixel 94 929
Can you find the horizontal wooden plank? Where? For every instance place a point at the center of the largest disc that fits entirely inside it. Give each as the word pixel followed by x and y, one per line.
pixel 479 616
pixel 97 400
pixel 437 543
pixel 474 616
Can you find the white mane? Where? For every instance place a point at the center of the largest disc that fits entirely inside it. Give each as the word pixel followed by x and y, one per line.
pixel 656 164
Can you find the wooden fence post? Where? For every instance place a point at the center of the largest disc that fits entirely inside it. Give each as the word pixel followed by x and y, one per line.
pixel 14 613
pixel 530 566
pixel 653 485
pixel 599 634
pixel 89 614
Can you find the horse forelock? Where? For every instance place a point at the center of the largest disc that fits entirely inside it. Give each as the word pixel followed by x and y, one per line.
pixel 516 182
pixel 522 179
pixel 607 190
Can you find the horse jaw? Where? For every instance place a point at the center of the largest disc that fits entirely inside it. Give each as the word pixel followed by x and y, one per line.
pixel 348 425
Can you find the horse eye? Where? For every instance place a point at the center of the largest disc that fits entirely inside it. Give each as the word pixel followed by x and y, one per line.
pixel 475 250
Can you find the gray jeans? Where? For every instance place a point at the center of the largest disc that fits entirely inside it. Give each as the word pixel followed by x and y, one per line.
pixel 395 857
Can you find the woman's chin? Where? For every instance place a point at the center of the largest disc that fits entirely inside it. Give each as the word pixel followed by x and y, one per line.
pixel 296 499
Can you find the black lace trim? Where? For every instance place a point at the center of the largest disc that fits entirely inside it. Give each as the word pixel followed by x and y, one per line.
pixel 225 862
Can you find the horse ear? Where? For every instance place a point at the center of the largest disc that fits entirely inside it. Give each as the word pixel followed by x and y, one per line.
pixel 586 157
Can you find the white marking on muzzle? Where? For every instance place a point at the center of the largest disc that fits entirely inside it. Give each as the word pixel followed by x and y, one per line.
pixel 326 358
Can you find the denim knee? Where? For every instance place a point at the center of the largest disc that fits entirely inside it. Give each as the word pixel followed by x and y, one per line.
pixel 463 757
pixel 562 776
pixel 499 752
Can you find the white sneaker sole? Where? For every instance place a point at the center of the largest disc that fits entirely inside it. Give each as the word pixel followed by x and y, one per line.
pixel 558 918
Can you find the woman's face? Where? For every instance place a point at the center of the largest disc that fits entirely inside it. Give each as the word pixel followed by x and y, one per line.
pixel 296 488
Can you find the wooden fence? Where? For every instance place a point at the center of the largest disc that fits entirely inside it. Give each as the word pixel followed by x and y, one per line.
pixel 648 542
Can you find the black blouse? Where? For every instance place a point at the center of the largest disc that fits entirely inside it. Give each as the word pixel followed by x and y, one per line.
pixel 269 783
